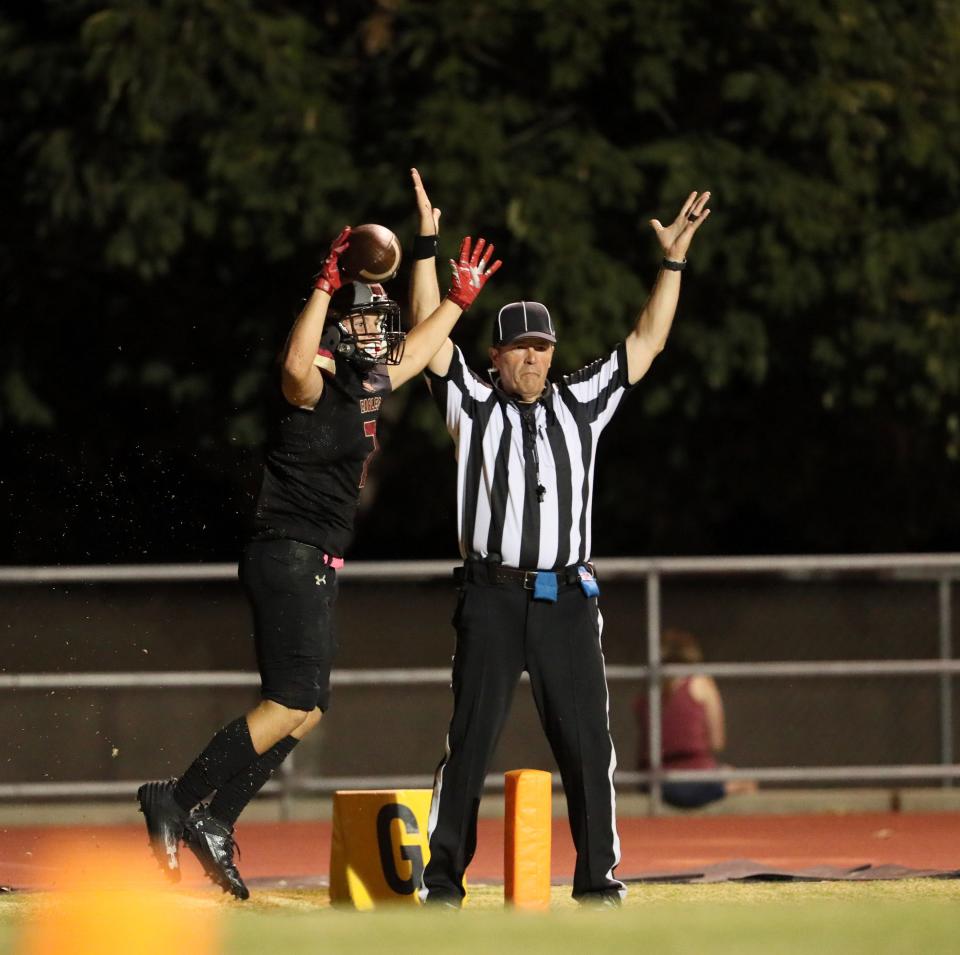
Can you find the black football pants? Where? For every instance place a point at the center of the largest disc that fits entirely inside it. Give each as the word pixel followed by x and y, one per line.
pixel 502 631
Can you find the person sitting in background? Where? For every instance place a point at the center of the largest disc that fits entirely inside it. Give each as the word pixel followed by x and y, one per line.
pixel 692 727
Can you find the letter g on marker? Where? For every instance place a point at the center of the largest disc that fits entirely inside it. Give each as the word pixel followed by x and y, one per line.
pixel 410 853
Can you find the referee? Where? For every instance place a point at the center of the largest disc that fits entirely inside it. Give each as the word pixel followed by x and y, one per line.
pixel 525 453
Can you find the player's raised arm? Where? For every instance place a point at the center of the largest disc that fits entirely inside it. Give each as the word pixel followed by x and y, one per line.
pixel 470 273
pixel 301 380
pixel 424 286
pixel 650 333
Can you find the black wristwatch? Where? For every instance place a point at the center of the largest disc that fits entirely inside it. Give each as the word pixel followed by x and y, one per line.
pixel 673 265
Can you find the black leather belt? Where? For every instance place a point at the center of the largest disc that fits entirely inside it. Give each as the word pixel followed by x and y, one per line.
pixel 479 572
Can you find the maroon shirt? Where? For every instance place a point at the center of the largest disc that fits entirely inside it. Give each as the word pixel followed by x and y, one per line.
pixel 685 734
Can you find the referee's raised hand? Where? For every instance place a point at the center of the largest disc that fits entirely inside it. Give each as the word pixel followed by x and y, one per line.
pixel 428 214
pixel 675 238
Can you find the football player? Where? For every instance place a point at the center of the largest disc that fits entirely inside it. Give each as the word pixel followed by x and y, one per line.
pixel 344 355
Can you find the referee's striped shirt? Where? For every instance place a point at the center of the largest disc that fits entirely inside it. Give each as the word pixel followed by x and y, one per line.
pixel 504 449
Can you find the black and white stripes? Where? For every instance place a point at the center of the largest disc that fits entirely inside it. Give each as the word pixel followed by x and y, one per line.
pixel 506 449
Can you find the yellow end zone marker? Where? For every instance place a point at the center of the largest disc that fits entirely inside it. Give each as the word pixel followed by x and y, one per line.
pixel 379 846
pixel 527 830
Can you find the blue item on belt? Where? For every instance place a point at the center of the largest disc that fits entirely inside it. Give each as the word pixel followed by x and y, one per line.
pixel 588 582
pixel 545 586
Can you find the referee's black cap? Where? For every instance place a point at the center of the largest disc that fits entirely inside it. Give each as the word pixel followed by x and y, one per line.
pixel 523 320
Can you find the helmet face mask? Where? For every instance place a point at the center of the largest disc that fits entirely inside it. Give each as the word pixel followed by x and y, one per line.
pixel 375 330
pixel 369 327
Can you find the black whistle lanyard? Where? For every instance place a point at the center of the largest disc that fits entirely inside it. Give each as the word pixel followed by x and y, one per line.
pixel 528 421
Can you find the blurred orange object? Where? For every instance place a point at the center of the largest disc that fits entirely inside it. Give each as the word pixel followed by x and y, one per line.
pixel 109 899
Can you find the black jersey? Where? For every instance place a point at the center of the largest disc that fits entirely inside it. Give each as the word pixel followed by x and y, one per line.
pixel 316 461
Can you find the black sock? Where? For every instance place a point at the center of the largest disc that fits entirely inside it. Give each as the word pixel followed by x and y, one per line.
pixel 226 754
pixel 232 797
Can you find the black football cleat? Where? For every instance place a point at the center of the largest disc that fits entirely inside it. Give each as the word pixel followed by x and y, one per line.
pixel 165 824
pixel 211 841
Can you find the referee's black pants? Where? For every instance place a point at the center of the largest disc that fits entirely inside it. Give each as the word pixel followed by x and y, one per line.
pixel 502 631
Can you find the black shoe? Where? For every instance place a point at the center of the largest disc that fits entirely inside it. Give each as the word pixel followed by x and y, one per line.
pixel 211 841
pixel 165 822
pixel 448 902
pixel 600 900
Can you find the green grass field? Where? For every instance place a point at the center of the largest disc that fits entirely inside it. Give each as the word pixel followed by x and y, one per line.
pixel 823 918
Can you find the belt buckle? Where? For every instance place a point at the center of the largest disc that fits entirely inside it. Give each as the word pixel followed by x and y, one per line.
pixel 529 579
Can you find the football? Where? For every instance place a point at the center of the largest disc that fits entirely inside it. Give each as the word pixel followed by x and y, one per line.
pixel 373 254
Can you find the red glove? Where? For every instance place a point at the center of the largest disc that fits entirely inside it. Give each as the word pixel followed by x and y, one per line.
pixel 328 278
pixel 470 274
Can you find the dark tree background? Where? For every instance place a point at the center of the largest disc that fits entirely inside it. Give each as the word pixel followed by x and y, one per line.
pixel 171 173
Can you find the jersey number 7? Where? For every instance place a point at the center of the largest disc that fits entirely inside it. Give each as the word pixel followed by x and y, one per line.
pixel 369 431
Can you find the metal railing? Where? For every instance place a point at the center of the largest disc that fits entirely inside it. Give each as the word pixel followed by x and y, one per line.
pixel 938 569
